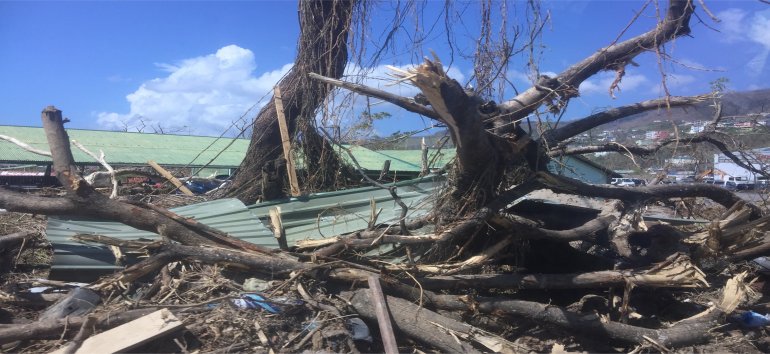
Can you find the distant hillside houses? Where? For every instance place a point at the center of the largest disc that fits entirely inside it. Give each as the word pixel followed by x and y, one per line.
pixel 657 134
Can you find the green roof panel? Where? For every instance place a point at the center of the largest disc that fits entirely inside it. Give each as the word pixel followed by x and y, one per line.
pixel 124 148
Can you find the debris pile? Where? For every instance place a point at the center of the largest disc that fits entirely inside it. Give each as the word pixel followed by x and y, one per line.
pixel 515 276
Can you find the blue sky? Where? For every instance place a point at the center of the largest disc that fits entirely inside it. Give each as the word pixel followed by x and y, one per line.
pixel 197 66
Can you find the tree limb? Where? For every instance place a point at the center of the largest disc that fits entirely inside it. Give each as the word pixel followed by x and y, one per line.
pixel 565 85
pixel 553 136
pixel 643 194
pixel 403 102
pixel 681 334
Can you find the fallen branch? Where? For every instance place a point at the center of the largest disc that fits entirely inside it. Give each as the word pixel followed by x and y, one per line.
pixel 681 334
pixel 24 145
pixel 14 239
pixel 643 194
pixel 64 327
pixel 83 200
pixel 100 159
pixel 565 85
pixel 170 252
pixel 676 272
pixel 415 322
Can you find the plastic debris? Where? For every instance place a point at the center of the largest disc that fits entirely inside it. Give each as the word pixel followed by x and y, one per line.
pixel 253 301
pixel 763 263
pixel 752 319
pixel 359 330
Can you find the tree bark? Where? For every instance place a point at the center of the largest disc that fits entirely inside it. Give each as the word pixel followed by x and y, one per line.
pixel 417 323
pixel 322 48
pixel 682 334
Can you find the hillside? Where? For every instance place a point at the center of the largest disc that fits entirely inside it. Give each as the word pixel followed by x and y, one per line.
pixel 733 104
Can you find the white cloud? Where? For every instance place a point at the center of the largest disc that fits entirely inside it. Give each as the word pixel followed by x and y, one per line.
pixel 732 23
pixel 602 81
pixel 204 94
pixel 737 27
pixel 677 84
pixel 759 28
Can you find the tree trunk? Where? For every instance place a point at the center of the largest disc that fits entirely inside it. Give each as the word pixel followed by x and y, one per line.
pixel 322 48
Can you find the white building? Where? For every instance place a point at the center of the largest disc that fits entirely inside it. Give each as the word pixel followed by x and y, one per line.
pixel 726 167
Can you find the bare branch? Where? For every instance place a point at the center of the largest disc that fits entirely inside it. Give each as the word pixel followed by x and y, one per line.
pixel 640 194
pixel 24 145
pixel 403 102
pixel 100 159
pixel 585 124
pixel 565 85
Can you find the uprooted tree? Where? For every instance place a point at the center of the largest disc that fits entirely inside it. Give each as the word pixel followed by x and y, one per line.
pixel 474 224
pixel 498 160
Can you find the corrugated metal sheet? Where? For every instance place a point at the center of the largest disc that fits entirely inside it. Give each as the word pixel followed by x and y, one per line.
pixel 327 214
pixel 70 257
pixel 373 160
pixel 129 148
pixel 315 216
pixel 414 157
pixel 124 148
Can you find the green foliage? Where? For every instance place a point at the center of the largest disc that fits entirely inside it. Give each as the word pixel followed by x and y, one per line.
pixel 719 85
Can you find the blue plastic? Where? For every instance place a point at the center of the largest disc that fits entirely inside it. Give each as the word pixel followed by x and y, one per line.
pixel 752 319
pixel 253 301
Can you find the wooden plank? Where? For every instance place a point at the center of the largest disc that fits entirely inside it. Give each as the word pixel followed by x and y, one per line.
pixel 383 316
pixel 130 335
pixel 278 231
pixel 167 175
pixel 286 143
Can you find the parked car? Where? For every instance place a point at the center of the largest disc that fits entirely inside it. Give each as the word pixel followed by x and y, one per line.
pixel 762 183
pixel 736 183
pixel 623 182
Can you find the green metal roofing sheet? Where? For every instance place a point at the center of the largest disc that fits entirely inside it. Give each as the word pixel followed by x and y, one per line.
pixel 439 157
pixel 123 148
pixel 333 213
pixel 373 160
pixel 308 217
pixel 227 215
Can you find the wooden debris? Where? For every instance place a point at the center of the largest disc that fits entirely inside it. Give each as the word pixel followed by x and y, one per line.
pixel 167 175
pixel 415 322
pixel 131 335
pixel 286 143
pixel 383 316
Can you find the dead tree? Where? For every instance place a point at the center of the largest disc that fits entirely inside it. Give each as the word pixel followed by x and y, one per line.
pixel 322 48
pixel 494 152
